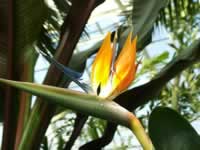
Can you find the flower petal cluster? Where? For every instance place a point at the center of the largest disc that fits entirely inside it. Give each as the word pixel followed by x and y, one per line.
pixel 110 82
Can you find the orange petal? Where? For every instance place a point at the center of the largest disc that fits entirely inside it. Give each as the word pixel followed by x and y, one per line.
pixel 101 66
pixel 125 67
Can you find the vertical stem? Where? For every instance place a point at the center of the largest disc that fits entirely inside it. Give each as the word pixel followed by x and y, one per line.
pixel 78 125
pixel 25 98
pixel 10 106
pixel 175 93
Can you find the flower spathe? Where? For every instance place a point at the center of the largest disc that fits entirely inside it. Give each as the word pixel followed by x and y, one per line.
pixel 114 81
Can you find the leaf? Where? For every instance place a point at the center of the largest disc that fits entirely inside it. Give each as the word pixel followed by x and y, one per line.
pixel 25 22
pixel 156 59
pixel 145 14
pixel 148 64
pixel 3 64
pixel 28 21
pixel 27 25
pixel 2 75
pixel 1 105
pixel 170 131
pixel 23 28
pixel 3 37
pixel 62 5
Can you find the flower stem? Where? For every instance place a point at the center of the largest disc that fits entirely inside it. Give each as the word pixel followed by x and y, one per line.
pixel 137 128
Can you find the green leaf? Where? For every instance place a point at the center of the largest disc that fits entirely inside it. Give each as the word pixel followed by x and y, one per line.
pixel 4 37
pixel 1 105
pixel 62 5
pixel 170 131
pixel 144 16
pixel 149 64
pixel 156 60
pixel 2 75
pixel 21 27
pixel 27 21
pixel 3 62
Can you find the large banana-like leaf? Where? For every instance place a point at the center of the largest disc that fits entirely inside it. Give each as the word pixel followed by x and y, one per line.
pixel 26 21
pixel 3 63
pixel 145 14
pixel 169 130
pixel 3 37
pixel 3 45
pixel 22 26
pixel 2 74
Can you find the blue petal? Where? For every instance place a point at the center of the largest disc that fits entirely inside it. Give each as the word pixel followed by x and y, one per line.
pixel 71 74
pixel 67 71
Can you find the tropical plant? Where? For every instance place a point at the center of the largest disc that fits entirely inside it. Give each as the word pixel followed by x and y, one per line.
pixel 33 28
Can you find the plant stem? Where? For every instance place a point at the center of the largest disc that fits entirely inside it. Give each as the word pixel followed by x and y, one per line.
pixel 10 105
pixel 140 133
pixel 175 93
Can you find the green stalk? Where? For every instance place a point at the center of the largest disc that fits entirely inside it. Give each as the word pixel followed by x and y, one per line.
pixel 140 133
pixel 25 98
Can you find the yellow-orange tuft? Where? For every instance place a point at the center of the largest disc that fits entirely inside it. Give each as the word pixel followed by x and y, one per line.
pixel 125 68
pixel 102 64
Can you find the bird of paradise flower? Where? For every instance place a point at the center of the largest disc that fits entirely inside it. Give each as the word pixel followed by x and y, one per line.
pixel 103 75
pixel 108 78
pixel 112 82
